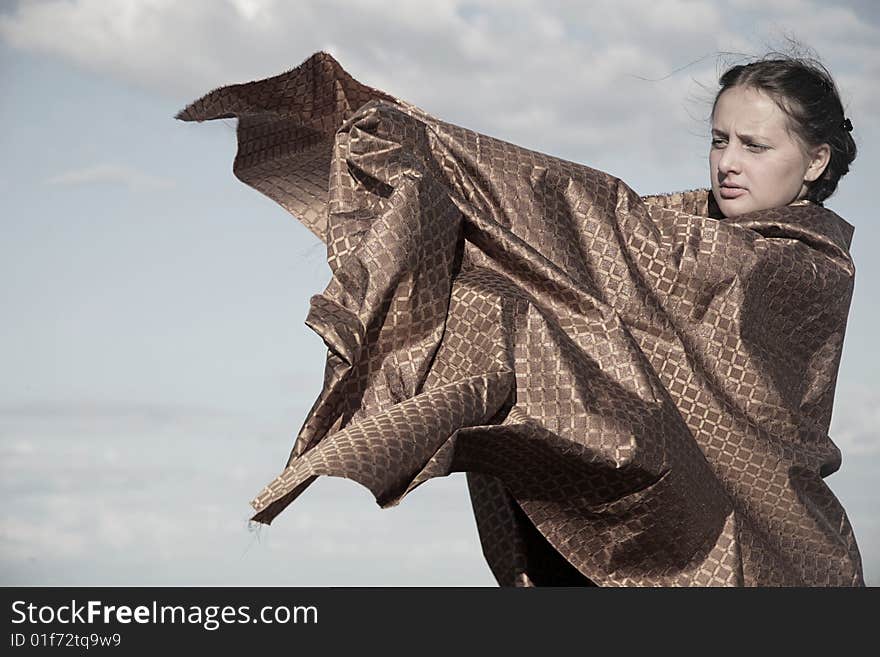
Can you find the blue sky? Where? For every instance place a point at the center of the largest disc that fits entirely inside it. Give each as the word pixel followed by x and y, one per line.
pixel 156 365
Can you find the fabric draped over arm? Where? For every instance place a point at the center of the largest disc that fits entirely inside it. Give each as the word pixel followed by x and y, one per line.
pixel 639 389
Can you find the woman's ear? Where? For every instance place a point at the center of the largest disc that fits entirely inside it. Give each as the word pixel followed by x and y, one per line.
pixel 820 156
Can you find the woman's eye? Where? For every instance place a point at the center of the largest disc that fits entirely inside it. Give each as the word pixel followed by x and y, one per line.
pixel 718 142
pixel 758 148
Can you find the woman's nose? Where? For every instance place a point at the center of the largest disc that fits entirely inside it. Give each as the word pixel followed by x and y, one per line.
pixel 729 162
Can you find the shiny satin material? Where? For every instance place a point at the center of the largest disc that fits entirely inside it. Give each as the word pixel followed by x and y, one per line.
pixel 638 389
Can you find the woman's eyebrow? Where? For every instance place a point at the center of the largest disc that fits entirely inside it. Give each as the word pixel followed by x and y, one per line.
pixel 721 133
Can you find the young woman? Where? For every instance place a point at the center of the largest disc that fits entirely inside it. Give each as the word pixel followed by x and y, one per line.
pixel 639 388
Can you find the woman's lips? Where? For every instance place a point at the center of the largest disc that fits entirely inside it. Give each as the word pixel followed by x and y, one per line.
pixel 732 192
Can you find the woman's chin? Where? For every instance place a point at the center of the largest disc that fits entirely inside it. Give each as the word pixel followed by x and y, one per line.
pixel 731 207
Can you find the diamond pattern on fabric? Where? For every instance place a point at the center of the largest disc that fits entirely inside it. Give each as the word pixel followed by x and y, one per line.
pixel 638 388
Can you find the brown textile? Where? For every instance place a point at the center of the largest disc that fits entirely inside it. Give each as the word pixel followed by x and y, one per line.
pixel 638 389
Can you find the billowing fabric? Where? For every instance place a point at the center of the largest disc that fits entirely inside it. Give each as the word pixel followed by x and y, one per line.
pixel 638 389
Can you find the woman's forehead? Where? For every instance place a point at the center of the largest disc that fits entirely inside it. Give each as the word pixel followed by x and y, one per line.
pixel 747 110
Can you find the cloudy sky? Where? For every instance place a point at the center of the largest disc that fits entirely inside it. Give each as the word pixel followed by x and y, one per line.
pixel 155 362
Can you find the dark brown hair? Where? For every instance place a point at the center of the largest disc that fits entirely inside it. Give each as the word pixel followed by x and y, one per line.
pixel 803 89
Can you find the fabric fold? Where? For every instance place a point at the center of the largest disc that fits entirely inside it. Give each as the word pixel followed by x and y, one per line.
pixel 422 424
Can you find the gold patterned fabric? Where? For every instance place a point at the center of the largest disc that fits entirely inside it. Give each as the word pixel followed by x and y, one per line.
pixel 638 389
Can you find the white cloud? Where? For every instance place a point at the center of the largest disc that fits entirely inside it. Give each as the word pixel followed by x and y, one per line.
pixel 855 423
pixel 548 75
pixel 139 493
pixel 113 174
pixel 78 526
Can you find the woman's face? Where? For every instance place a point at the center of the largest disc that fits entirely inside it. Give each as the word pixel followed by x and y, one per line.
pixel 754 162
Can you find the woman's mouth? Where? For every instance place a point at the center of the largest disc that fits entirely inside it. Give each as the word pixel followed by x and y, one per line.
pixel 732 192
